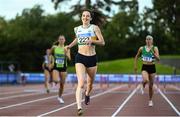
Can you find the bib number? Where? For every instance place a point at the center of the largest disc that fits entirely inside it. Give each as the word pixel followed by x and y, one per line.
pixel 46 62
pixel 83 39
pixel 59 62
pixel 147 59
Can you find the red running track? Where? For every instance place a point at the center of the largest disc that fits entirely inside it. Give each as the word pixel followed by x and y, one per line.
pixel 115 100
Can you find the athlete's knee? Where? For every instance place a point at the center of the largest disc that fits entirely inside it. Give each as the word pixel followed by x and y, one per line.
pixel 90 85
pixel 56 81
pixel 81 86
pixel 62 82
pixel 145 81
pixel 151 84
pixel 61 85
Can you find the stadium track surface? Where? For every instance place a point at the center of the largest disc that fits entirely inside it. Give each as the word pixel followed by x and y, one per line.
pixel 115 100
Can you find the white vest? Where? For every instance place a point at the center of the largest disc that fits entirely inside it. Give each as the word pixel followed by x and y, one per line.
pixel 84 34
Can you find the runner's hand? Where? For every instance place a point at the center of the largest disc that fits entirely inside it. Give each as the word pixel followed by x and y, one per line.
pixel 89 42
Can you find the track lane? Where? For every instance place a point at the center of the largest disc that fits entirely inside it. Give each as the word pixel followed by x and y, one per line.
pixel 100 106
pixel 31 107
pixel 172 92
pixel 104 105
pixel 138 106
pixel 36 108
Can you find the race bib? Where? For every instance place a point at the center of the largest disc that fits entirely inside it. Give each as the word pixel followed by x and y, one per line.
pixel 147 59
pixel 46 61
pixel 82 40
pixel 60 61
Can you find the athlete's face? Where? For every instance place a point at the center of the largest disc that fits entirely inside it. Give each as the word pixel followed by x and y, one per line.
pixel 48 51
pixel 86 17
pixel 149 41
pixel 61 40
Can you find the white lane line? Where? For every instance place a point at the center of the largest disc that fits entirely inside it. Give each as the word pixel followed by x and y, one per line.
pixel 40 91
pixel 22 95
pixel 127 99
pixel 12 92
pixel 94 96
pixel 32 91
pixel 41 99
pixel 169 102
pixel 56 89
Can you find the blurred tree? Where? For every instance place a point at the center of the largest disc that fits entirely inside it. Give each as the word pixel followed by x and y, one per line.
pixel 56 2
pixel 26 37
pixel 89 4
pixel 3 37
pixel 122 28
pixel 168 16
pixel 163 22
